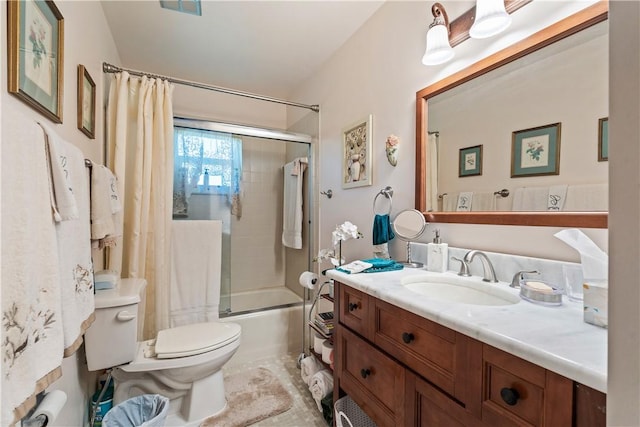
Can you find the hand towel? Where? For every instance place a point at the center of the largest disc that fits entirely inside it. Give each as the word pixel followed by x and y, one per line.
pixel 308 367
pixel 382 231
pixel 449 202
pixel 320 385
pixel 63 203
pixel 196 254
pixel 530 199
pixel 105 205
pixel 465 201
pixel 354 267
pixel 32 327
pixel 483 202
pixel 292 209
pixel 74 256
pixel 557 197
pixel 587 197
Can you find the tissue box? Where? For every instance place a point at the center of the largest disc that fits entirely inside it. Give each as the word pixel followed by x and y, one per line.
pixel 596 299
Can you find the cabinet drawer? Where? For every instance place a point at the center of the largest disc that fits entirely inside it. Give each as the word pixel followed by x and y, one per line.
pixel 520 393
pixel 447 359
pixel 373 380
pixel 354 310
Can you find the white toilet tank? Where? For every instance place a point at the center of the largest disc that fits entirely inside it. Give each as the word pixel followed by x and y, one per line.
pixel 111 340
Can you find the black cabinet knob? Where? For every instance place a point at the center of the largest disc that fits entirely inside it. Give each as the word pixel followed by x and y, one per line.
pixel 510 396
pixel 407 337
pixel 364 373
pixel 352 306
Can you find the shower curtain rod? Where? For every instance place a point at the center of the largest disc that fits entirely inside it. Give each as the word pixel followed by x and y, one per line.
pixel 108 68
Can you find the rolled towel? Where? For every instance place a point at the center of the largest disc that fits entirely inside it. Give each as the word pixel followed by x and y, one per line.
pixel 320 385
pixel 308 367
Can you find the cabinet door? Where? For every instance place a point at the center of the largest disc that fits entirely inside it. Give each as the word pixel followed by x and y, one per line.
pixel 373 380
pixel 519 393
pixel 353 310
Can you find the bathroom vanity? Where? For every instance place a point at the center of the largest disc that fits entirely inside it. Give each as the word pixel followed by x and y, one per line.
pixel 412 360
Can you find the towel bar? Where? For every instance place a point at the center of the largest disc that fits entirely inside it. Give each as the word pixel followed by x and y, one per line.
pixel 387 192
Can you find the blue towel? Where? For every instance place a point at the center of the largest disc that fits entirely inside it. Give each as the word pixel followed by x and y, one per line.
pixel 379 266
pixel 382 231
pixel 391 267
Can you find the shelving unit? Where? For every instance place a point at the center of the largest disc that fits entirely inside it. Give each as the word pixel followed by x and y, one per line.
pixel 316 329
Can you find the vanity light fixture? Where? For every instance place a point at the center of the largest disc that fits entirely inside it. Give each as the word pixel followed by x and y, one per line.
pixel 491 19
pixel 438 49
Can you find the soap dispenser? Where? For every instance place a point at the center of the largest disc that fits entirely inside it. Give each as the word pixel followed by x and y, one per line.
pixel 437 254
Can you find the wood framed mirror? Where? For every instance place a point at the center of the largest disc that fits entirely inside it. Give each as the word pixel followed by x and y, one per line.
pixel 573 24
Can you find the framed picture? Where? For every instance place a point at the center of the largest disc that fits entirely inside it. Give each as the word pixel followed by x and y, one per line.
pixel 35 55
pixel 86 103
pixel 470 161
pixel 603 139
pixel 356 154
pixel 536 151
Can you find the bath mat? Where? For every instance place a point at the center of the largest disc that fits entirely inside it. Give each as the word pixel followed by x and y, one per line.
pixel 252 396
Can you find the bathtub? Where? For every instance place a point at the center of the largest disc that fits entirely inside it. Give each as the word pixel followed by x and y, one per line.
pixel 266 332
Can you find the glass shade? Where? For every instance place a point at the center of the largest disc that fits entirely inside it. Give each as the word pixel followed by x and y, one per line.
pixel 438 49
pixel 491 19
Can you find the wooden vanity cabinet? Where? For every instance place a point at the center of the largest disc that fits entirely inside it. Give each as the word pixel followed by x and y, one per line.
pixel 405 370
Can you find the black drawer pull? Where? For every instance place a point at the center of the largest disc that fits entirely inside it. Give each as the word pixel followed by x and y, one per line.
pixel 364 373
pixel 353 306
pixel 510 396
pixel 407 337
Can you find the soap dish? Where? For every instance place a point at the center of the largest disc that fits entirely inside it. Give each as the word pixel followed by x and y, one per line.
pixel 539 292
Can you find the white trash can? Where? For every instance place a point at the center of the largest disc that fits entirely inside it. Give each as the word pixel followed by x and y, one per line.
pixel 147 410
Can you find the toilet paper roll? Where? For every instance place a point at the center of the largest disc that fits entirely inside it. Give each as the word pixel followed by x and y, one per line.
pixel 51 405
pixel 327 349
pixel 309 279
pixel 317 343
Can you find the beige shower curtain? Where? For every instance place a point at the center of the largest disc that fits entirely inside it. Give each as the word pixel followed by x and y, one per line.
pixel 432 173
pixel 140 151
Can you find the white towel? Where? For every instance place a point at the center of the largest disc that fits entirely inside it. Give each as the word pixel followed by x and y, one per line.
pixel 196 253
pixel 308 367
pixel 465 201
pixel 449 202
pixel 74 256
pixel 63 202
pixel 32 326
pixel 320 385
pixel 292 210
pixel 557 197
pixel 484 202
pixel 357 266
pixel 105 205
pixel 530 199
pixel 587 197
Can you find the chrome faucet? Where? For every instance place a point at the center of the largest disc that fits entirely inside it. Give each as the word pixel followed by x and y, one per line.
pixel 489 272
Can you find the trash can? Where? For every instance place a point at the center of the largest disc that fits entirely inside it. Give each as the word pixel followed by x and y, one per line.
pixel 147 410
pixel 347 413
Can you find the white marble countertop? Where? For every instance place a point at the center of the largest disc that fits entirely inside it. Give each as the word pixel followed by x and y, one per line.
pixel 555 338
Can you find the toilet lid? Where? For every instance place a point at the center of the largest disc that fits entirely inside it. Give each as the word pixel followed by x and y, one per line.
pixel 197 338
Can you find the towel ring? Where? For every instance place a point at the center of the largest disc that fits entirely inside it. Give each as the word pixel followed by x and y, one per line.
pixel 387 192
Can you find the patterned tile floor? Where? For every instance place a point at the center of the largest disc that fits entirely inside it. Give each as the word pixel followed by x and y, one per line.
pixel 304 412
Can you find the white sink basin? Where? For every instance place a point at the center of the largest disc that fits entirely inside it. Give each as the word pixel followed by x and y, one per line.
pixel 461 290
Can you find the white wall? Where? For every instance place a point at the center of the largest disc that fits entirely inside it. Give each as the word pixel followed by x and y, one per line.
pixel 88 42
pixel 378 71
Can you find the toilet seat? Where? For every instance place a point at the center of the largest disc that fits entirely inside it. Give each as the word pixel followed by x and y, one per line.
pixel 197 338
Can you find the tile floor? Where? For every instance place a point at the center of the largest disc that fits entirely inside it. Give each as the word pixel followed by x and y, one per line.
pixel 304 412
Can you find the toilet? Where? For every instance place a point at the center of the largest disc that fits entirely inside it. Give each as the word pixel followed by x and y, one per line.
pixel 182 363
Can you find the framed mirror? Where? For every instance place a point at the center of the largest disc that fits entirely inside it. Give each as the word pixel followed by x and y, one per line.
pixel 429 97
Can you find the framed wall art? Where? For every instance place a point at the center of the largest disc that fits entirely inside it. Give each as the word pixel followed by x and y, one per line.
pixel 603 139
pixel 35 55
pixel 356 154
pixel 470 161
pixel 86 103
pixel 536 151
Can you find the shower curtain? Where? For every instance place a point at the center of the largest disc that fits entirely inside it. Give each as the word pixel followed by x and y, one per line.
pixel 432 171
pixel 140 135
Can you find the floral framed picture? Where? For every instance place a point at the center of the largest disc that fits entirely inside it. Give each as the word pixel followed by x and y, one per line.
pixel 470 161
pixel 603 139
pixel 86 103
pixel 356 154
pixel 35 45
pixel 536 151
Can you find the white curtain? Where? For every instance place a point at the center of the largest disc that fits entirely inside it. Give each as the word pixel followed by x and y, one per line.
pixel 140 135
pixel 432 173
